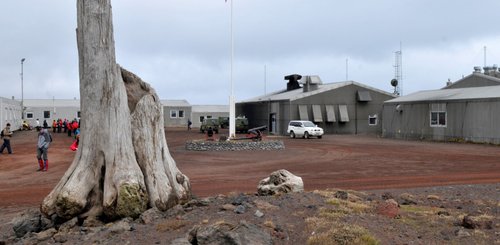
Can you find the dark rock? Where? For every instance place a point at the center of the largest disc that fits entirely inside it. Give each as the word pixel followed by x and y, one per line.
pixel 239 200
pixel 407 199
pixel 240 209
pixel 150 215
pixel 69 225
pixel 226 233
pixel 387 196
pixel 341 195
pixel 30 221
pixel 443 213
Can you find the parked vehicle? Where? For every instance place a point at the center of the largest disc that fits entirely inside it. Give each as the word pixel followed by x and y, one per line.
pixel 304 129
pixel 210 123
pixel 224 122
pixel 241 125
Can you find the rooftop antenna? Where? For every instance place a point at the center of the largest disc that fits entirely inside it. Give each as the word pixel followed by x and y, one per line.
pixel 347 69
pixel 398 71
pixel 484 56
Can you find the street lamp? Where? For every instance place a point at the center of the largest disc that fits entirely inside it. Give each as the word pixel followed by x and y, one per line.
pixel 22 89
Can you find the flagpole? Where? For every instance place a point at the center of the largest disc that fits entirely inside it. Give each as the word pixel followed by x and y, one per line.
pixel 232 109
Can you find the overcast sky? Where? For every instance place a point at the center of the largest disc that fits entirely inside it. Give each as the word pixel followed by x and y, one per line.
pixel 182 47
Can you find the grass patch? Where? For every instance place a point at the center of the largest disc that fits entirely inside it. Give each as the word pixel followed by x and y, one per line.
pixel 343 234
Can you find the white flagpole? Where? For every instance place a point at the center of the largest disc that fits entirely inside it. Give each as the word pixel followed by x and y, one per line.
pixel 232 109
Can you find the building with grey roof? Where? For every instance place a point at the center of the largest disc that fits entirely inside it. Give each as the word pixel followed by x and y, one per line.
pixel 467 110
pixel 339 108
pixel 176 112
pixel 51 109
pixel 200 112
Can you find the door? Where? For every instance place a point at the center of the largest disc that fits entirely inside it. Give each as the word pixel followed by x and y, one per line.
pixel 272 123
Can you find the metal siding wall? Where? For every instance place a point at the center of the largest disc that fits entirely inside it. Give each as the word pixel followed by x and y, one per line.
pixel 475 121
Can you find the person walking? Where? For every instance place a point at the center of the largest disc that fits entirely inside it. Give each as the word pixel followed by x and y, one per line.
pixel 6 135
pixel 44 139
pixel 54 126
pixel 189 124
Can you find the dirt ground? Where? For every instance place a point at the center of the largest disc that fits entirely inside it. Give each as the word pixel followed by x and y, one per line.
pixel 335 161
pixel 436 174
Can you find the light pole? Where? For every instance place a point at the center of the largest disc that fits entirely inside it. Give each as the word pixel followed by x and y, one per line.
pixel 22 89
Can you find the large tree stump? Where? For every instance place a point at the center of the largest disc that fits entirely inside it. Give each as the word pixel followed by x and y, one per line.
pixel 123 165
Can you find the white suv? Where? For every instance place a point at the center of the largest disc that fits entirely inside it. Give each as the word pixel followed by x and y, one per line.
pixel 304 129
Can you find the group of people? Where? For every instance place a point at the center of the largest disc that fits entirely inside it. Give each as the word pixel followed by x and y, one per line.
pixel 44 139
pixel 66 126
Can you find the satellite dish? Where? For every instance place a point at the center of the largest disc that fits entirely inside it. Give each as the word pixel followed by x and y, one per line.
pixel 394 82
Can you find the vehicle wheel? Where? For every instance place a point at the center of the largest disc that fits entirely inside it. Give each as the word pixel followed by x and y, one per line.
pixel 202 131
pixel 292 134
pixel 216 131
pixel 306 135
pixel 319 137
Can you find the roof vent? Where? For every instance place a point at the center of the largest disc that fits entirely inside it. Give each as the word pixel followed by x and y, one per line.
pixel 293 81
pixel 477 69
pixel 311 83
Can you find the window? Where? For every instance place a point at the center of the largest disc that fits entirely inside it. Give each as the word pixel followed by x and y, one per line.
pixel 372 120
pixel 181 114
pixel 209 116
pixel 173 113
pixel 78 114
pixel 29 114
pixel 201 118
pixel 438 119
pixel 46 114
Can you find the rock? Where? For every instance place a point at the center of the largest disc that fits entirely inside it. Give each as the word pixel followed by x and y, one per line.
pixel 226 233
pixel 180 241
pixel 44 235
pixel 240 209
pixel 69 225
pixel 460 233
pixel 258 214
pixel 479 222
pixel 92 222
pixel 433 197
pixel 150 215
pixel 341 195
pixel 240 199
pixel 389 208
pixel 280 181
pixel 407 199
pixel 228 207
pixel 61 237
pixel 261 204
pixel 198 202
pixel 387 196
pixel 120 226
pixel 443 213
pixel 30 221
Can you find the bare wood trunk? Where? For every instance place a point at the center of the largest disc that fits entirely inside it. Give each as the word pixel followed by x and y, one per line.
pixel 123 165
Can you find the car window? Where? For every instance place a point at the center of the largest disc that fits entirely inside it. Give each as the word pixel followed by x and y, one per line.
pixel 308 124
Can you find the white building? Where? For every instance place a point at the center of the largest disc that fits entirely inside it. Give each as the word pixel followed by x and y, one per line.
pixel 10 112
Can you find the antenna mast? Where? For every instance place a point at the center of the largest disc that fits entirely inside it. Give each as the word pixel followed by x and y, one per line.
pixel 398 70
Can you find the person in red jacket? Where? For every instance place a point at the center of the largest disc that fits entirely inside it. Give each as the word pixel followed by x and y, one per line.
pixel 68 127
pixel 74 126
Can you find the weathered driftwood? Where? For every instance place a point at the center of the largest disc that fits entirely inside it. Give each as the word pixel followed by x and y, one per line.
pixel 123 165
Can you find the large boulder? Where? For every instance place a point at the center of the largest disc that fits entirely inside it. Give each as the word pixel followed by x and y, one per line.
pixel 225 233
pixel 30 221
pixel 280 181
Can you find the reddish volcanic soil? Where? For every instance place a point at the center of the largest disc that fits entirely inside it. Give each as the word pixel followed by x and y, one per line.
pixel 336 161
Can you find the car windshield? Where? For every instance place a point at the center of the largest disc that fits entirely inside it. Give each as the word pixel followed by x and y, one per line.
pixel 309 124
